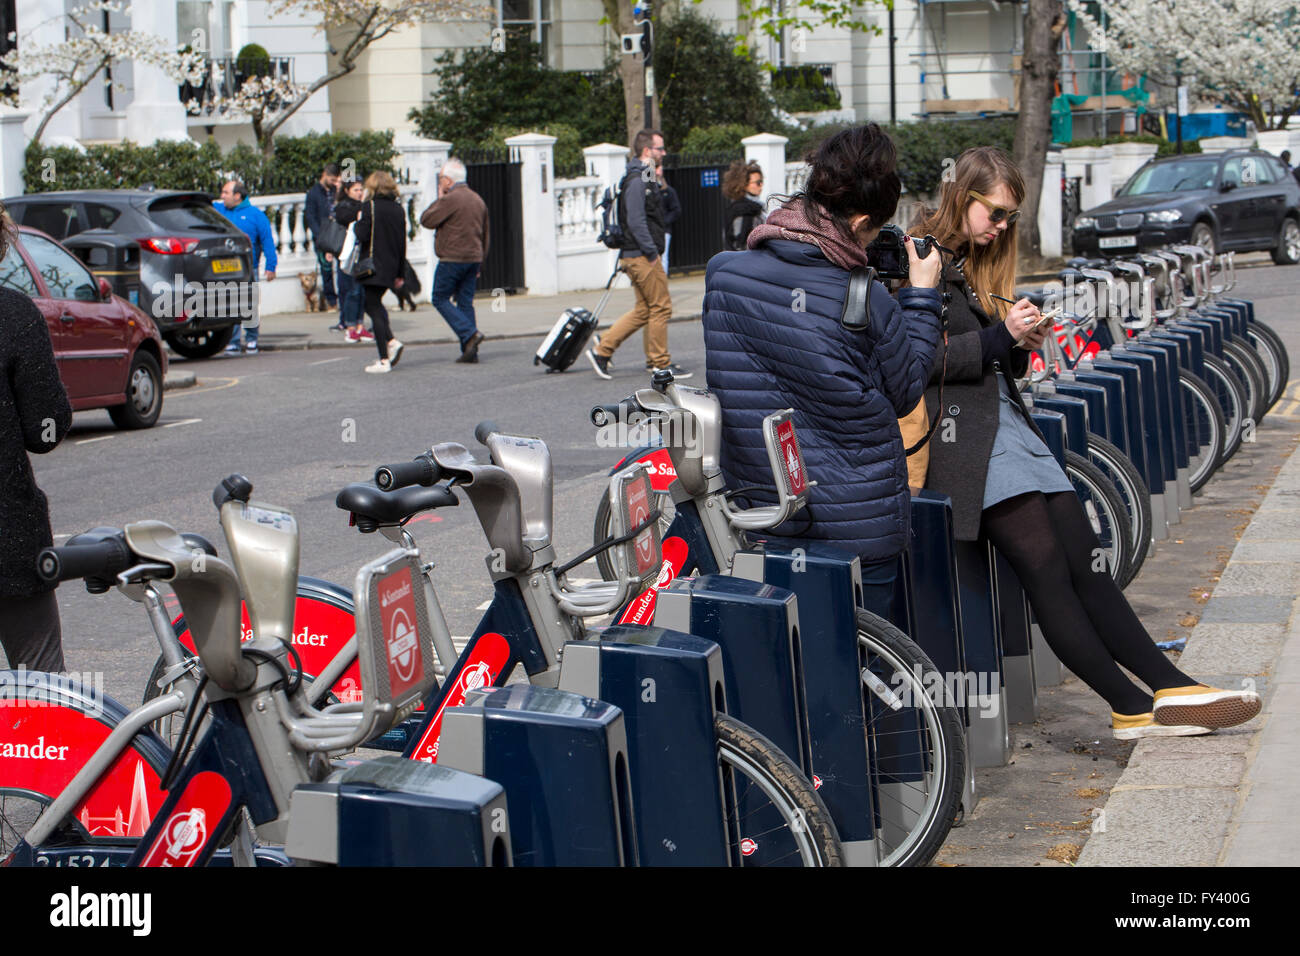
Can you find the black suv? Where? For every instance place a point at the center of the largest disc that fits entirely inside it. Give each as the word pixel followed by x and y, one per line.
pixel 170 253
pixel 1242 200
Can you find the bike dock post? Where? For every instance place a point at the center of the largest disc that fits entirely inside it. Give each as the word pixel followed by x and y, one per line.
pixel 827 582
pixel 562 759
pixel 1017 654
pixel 669 686
pixel 990 735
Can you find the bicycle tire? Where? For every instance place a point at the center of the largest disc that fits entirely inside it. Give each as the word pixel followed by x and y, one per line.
pixel 1204 421
pixel 1104 509
pixel 1231 399
pixel 1123 474
pixel 919 791
pixel 600 530
pixel 70 708
pixel 1272 352
pixel 807 824
pixel 1246 366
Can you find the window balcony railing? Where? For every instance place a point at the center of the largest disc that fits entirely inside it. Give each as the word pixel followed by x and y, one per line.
pixel 223 78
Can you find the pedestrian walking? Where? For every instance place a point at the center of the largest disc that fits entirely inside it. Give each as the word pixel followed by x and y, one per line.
pixel 460 242
pixel 672 210
pixel 34 416
pixel 235 205
pixel 352 295
pixel 381 236
pixel 1006 486
pixel 318 210
pixel 742 184
pixel 641 211
pixel 774 339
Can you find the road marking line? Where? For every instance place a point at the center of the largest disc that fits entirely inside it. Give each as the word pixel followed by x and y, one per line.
pixel 183 421
pixel 87 441
pixel 327 361
pixel 1290 409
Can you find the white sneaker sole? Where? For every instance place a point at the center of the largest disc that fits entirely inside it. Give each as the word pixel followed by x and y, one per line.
pixel 1160 730
pixel 591 357
pixel 1220 708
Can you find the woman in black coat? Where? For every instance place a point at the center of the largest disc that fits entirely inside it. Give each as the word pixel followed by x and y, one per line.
pixel 1004 483
pixel 381 236
pixel 34 416
pixel 742 184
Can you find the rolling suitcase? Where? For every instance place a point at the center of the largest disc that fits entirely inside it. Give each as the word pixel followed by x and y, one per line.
pixel 570 334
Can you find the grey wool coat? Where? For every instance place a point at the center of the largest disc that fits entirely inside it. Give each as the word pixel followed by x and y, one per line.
pixel 968 419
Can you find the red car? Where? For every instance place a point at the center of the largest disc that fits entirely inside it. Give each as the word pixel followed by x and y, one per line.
pixel 109 352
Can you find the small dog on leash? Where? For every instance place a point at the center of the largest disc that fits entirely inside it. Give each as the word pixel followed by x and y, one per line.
pixel 310 282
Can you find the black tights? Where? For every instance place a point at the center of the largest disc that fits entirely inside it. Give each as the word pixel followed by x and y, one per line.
pixel 1087 621
pixel 378 318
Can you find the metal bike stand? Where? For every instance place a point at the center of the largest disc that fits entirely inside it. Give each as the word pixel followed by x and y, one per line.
pixel 1140 374
pixel 1017 661
pixel 562 759
pixel 990 735
pixel 826 582
pixel 1167 371
pixel 935 617
pixel 366 815
pixel 669 686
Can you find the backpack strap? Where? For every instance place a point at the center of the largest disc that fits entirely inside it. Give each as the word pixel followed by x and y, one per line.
pixel 857 301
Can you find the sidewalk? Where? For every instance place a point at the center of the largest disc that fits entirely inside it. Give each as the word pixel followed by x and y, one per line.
pixel 504 317
pixel 1226 799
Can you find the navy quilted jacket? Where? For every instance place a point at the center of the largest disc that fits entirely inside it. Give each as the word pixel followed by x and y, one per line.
pixel 774 341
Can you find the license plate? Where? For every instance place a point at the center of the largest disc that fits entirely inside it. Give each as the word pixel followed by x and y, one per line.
pixel 227 265
pixel 1117 242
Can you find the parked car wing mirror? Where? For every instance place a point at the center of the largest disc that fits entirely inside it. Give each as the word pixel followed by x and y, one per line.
pixel 1226 187
pixel 105 290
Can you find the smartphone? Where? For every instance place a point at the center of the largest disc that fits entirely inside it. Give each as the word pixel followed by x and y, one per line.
pixel 1046 318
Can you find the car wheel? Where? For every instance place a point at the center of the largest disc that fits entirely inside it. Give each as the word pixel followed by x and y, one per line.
pixel 1203 236
pixel 202 344
pixel 1287 250
pixel 144 394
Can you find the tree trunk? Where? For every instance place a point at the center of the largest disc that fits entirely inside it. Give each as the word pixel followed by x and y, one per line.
pixel 1044 21
pixel 631 70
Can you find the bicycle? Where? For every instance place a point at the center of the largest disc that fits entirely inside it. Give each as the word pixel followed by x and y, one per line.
pixel 261 742
pixel 924 774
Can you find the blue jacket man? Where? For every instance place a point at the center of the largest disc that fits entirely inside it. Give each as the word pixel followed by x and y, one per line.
pixel 234 205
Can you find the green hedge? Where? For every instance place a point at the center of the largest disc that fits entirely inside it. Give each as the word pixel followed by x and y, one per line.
pixel 1164 147
pixel 186 164
pixel 723 138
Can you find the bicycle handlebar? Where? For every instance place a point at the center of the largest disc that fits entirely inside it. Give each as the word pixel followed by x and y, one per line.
pixel 602 415
pixel 422 471
pixel 485 430
pixel 105 558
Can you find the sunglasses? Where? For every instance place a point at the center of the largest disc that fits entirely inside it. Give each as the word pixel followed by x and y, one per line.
pixel 996 213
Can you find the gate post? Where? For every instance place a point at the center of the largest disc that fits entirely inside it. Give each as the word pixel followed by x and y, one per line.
pixel 768 150
pixel 13 143
pixel 541 252
pixel 1049 207
pixel 424 158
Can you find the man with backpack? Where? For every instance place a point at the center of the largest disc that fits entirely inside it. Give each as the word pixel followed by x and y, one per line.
pixel 640 210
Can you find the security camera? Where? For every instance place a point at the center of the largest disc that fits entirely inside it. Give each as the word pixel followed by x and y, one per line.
pixel 634 43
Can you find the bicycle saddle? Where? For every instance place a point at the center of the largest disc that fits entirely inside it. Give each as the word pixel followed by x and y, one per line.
pixel 1038 297
pixel 392 507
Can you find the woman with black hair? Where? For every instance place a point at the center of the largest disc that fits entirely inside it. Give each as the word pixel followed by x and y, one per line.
pixel 775 340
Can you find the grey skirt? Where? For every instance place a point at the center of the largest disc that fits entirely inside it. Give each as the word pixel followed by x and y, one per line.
pixel 1020 462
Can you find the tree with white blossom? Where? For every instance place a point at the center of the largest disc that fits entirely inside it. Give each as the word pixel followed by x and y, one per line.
pixel 1242 53
pixel 354 26
pixel 78 61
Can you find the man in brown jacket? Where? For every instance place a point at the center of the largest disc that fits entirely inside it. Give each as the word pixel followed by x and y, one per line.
pixel 461 244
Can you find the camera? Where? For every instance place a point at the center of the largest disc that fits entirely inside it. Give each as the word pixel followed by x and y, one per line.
pixel 888 254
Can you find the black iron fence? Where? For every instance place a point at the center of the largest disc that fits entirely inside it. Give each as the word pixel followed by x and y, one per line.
pixel 492 175
pixel 697 234
pixel 1070 191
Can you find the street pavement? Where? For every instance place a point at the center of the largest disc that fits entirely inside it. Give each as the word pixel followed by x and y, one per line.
pixel 302 422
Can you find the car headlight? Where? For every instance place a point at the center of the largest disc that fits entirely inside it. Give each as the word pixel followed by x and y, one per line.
pixel 1085 222
pixel 1164 215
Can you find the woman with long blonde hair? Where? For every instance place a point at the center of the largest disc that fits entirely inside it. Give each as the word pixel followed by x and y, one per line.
pixel 1006 486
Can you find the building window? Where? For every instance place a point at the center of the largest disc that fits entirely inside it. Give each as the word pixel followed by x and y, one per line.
pixel 529 19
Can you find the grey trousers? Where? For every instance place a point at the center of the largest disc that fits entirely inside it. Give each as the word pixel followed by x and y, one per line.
pixel 30 632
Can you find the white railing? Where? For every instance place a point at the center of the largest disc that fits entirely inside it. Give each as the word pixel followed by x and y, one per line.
pixel 796 175
pixel 577 208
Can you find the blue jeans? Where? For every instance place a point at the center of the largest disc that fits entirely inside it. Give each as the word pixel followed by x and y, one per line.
pixel 352 298
pixel 456 279
pixel 327 279
pixel 251 324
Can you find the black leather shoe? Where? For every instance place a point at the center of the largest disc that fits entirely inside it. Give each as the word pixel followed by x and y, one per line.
pixel 469 351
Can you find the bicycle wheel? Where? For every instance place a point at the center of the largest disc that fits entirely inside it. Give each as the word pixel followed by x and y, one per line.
pixel 1123 474
pixel 1231 399
pixel 1272 353
pixel 1204 423
pixel 917 743
pixel 1104 509
pixel 601 531
pixel 773 814
pixel 1250 373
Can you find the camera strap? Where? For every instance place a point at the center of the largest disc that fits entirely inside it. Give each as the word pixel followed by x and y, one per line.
pixel 855 316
